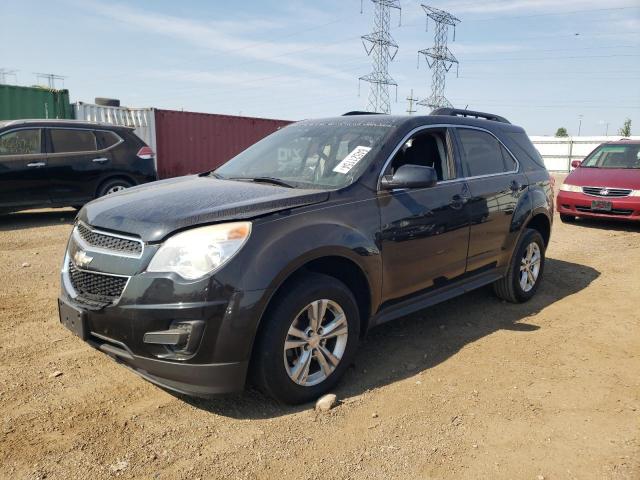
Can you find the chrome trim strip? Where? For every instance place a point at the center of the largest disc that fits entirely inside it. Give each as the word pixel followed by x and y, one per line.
pixel 85 246
pixel 628 190
pixel 458 179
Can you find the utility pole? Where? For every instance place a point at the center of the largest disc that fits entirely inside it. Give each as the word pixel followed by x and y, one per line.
pixel 439 58
pixel 606 131
pixel 50 78
pixel 4 73
pixel 381 47
pixel 579 124
pixel 411 101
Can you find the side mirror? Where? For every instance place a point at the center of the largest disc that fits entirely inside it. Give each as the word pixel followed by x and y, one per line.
pixel 575 163
pixel 410 176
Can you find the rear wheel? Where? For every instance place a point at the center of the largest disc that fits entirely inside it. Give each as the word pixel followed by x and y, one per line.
pixel 525 269
pixel 113 186
pixel 309 339
pixel 567 218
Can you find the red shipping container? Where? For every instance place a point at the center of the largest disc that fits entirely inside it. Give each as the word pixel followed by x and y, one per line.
pixel 189 142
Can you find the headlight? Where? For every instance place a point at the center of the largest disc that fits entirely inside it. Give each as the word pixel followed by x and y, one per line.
pixel 565 187
pixel 635 193
pixel 195 253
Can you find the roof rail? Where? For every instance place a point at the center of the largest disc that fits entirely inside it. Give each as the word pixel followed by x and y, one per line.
pixel 357 112
pixel 456 112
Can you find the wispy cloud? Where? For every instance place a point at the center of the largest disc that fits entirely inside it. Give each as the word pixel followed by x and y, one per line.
pixel 219 37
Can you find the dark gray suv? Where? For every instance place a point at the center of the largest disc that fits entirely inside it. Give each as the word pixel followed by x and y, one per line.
pixel 273 266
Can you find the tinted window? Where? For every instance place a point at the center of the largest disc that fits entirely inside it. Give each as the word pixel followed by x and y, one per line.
pixel 69 140
pixel 20 142
pixel 483 154
pixel 106 139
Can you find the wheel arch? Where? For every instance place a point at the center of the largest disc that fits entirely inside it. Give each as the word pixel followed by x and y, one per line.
pixel 117 176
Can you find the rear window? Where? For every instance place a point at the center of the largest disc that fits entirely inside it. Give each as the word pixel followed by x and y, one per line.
pixel 106 139
pixel 71 140
pixel 20 142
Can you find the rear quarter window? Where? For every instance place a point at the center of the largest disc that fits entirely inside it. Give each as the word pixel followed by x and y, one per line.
pixel 72 140
pixel 523 149
pixel 106 139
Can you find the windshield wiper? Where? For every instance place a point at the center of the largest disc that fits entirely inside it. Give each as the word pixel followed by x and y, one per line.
pixel 216 175
pixel 273 180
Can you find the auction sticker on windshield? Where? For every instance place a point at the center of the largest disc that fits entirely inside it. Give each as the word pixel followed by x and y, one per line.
pixel 352 159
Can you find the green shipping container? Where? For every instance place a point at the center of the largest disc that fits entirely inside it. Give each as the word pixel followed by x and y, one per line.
pixel 33 102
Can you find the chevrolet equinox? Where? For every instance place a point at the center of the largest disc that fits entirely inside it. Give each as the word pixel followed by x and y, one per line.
pixel 273 266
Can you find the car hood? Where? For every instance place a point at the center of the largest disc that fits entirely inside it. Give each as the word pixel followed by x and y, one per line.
pixel 155 210
pixel 605 177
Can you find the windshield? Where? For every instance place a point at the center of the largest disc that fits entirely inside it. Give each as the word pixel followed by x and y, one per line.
pixel 614 156
pixel 309 155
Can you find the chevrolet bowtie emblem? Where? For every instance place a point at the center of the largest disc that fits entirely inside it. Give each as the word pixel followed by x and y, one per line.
pixel 81 259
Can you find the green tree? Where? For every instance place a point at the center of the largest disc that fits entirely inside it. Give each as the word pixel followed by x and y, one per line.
pixel 562 132
pixel 625 131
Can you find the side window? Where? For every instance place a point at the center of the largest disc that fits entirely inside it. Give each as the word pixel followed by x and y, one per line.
pixel 428 149
pixel 72 140
pixel 106 139
pixel 482 154
pixel 21 142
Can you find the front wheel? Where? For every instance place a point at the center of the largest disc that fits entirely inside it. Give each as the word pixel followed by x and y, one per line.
pixel 525 269
pixel 309 339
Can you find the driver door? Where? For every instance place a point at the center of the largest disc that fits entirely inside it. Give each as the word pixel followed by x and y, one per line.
pixel 424 231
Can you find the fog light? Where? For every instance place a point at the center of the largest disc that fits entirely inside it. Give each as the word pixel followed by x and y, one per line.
pixel 180 341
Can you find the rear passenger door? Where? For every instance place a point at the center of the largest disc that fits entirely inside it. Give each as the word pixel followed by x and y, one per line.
pixel 75 166
pixel 495 186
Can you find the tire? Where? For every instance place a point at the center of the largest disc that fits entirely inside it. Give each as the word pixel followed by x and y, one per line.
pixel 274 368
pixel 510 288
pixel 564 218
pixel 111 186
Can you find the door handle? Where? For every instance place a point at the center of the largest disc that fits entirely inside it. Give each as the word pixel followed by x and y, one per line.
pixel 100 160
pixel 36 164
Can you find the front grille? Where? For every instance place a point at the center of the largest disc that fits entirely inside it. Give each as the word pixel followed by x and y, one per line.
pixel 96 287
pixel 109 242
pixel 613 211
pixel 606 192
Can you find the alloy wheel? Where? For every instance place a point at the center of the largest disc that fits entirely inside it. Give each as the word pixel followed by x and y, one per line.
pixel 530 267
pixel 315 342
pixel 115 188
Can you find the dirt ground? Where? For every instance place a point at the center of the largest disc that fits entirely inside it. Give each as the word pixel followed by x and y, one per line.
pixel 472 388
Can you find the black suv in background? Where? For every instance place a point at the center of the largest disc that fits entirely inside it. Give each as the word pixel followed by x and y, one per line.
pixel 59 163
pixel 274 265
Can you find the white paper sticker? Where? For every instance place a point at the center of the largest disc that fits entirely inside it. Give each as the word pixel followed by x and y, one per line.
pixel 352 159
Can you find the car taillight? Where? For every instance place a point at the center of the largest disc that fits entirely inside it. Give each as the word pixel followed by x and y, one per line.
pixel 145 153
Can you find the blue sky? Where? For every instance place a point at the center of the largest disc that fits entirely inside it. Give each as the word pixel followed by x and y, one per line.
pixel 540 63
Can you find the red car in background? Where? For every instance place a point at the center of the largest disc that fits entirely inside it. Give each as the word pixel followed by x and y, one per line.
pixel 606 184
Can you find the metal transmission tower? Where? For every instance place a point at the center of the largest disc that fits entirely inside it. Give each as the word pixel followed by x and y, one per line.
pixel 4 73
pixel 439 58
pixel 50 78
pixel 380 46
